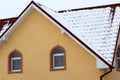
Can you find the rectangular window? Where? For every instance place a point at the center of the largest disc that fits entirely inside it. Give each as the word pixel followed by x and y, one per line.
pixel 58 61
pixel 16 63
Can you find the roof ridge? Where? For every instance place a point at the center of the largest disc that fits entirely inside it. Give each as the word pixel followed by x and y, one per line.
pixel 92 7
pixel 39 4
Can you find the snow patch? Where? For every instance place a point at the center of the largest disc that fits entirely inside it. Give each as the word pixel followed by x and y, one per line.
pixel 5 27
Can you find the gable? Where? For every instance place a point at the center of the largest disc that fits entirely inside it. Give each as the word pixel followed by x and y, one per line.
pixel 35 37
pixel 33 32
pixel 95 28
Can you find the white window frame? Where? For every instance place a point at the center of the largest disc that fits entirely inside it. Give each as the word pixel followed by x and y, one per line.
pixel 54 55
pixel 13 59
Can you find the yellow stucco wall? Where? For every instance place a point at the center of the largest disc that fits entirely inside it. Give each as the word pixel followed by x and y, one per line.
pixel 35 37
pixel 114 75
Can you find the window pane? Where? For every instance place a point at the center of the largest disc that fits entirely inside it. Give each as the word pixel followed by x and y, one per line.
pixel 15 55
pixel 58 51
pixel 16 64
pixel 119 63
pixel 59 61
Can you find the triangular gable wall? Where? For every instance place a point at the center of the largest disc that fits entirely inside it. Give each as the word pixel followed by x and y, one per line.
pixel 52 16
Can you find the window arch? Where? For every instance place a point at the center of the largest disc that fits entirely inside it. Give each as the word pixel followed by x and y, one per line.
pixel 15 62
pixel 57 58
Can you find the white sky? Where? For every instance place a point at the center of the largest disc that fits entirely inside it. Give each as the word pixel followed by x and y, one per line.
pixel 13 8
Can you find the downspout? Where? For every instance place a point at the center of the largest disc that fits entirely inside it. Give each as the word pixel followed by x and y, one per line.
pixel 103 75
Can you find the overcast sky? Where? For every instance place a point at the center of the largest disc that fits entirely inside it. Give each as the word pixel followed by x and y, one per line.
pixel 12 8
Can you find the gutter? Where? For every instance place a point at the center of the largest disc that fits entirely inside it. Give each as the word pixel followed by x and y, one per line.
pixel 103 75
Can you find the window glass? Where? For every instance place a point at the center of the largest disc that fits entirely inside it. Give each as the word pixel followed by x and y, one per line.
pixel 16 64
pixel 58 51
pixel 59 61
pixel 15 54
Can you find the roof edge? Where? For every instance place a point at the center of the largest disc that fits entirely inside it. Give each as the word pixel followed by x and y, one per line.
pixel 92 7
pixel 8 18
pixel 16 18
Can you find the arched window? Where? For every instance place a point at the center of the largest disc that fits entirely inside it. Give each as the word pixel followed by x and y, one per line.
pixel 58 58
pixel 15 61
pixel 118 59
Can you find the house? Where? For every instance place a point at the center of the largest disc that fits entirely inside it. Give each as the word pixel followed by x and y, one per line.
pixel 43 44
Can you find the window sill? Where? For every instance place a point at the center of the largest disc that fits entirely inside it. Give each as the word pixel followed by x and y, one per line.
pixel 57 69
pixel 14 72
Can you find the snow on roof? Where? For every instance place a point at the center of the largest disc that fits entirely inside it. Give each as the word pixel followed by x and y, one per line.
pixel 5 27
pixel 96 27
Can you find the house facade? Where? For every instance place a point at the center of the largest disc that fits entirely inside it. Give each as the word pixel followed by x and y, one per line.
pixel 38 45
